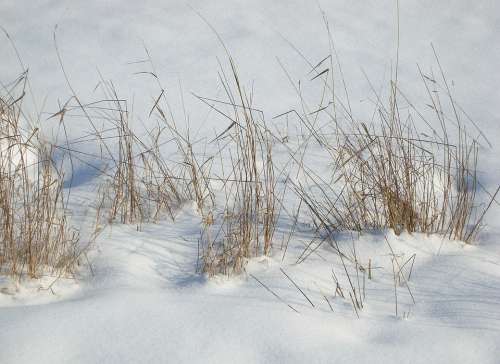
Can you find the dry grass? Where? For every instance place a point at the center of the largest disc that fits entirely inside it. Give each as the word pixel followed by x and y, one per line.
pixel 35 236
pixel 138 185
pixel 141 186
pixel 384 174
pixel 245 226
pixel 406 170
pixel 392 174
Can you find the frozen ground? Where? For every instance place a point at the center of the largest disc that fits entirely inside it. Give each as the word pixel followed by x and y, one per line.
pixel 142 301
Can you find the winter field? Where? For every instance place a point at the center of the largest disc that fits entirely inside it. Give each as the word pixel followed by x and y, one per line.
pixel 249 181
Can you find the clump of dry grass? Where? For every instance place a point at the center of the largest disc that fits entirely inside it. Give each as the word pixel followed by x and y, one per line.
pixel 391 173
pixel 139 185
pixel 394 178
pixel 245 226
pixel 35 235
pixel 394 172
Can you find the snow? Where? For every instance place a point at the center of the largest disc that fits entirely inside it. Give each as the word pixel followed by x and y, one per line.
pixel 141 300
pixel 146 305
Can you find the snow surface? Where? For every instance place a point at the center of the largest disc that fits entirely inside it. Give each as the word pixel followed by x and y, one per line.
pixel 142 301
